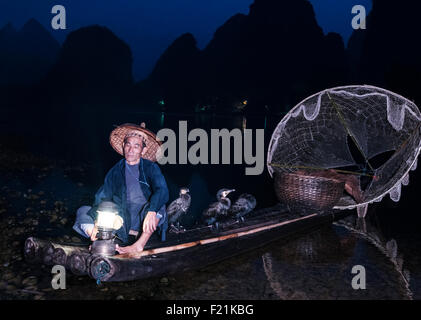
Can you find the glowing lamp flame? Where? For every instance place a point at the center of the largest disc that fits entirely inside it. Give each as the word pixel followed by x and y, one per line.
pixel 106 219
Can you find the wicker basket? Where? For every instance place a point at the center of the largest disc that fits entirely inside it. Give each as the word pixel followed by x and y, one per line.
pixel 304 193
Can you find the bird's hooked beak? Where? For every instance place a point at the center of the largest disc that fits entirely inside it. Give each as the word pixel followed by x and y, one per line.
pixel 184 191
pixel 228 192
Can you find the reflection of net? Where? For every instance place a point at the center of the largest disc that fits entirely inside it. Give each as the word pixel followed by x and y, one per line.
pixel 318 131
pixel 389 248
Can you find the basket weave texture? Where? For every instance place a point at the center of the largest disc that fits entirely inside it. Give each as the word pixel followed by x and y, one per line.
pixel 307 192
pixel 150 151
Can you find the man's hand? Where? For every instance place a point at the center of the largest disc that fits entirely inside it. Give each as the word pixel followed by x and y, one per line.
pixel 150 223
pixel 93 232
pixel 149 226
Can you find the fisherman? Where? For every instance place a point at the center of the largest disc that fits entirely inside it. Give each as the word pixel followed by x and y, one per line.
pixel 136 185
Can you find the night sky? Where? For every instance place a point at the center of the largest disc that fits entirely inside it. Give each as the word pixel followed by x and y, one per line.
pixel 149 26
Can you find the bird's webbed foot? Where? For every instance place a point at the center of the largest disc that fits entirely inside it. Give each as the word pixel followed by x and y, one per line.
pixel 176 229
pixel 210 221
pixel 215 226
pixel 241 219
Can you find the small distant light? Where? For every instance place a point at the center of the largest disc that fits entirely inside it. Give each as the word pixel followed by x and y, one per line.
pixel 161 102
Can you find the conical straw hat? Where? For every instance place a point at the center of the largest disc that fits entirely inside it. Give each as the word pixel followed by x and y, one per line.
pixel 151 143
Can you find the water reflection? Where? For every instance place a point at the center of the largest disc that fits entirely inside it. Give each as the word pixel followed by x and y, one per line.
pixel 304 268
pixel 365 228
pixel 318 265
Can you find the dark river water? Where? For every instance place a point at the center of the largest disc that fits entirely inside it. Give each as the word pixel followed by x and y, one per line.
pixel 315 265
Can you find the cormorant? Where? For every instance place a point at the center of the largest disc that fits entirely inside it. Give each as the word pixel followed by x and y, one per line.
pixel 243 205
pixel 178 207
pixel 220 208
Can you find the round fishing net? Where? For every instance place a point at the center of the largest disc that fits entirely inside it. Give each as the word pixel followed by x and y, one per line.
pixel 366 131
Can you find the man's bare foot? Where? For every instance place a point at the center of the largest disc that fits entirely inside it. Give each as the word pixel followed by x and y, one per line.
pixel 128 249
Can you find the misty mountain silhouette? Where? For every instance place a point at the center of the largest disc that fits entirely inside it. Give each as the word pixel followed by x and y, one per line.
pixel 174 77
pixel 7 34
pixel 274 56
pixel 26 55
pixel 92 60
pixel 388 52
pixel 92 74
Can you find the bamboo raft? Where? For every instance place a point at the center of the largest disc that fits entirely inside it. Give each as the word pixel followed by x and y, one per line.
pixel 187 250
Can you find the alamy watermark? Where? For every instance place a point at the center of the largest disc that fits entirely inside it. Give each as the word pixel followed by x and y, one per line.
pixel 358 281
pixel 198 153
pixel 59 20
pixel 358 21
pixel 59 278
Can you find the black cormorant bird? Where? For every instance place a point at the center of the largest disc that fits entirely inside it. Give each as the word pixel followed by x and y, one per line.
pixel 220 208
pixel 243 205
pixel 178 207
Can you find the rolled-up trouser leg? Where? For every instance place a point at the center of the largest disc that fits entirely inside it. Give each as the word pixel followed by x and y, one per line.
pixel 82 218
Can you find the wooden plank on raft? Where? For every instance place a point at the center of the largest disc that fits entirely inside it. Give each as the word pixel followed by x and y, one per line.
pixel 254 219
pixel 207 241
pixel 195 248
pixel 198 256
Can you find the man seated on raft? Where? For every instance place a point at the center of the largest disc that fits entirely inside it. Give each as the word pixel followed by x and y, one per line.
pixel 137 186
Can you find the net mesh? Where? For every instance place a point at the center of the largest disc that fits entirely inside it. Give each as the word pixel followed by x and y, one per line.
pixel 367 131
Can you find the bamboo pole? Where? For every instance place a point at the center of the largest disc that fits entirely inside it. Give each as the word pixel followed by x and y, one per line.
pixel 207 241
pixel 77 262
pixel 320 168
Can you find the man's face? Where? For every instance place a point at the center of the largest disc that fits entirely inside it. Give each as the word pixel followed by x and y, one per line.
pixel 133 149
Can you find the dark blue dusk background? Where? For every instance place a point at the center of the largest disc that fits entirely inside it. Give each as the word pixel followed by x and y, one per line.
pixel 195 57
pixel 150 26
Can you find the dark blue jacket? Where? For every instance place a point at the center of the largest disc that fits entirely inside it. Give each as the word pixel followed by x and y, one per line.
pixel 153 186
